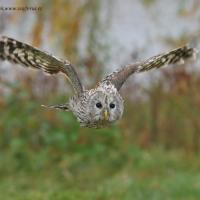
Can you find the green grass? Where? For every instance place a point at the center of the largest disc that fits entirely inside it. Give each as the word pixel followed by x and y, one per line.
pixel 45 155
pixel 123 174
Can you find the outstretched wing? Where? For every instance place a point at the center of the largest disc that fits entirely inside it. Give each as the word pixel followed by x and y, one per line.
pixel 21 53
pixel 175 56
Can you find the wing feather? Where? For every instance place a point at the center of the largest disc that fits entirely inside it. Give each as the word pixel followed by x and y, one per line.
pixel 28 56
pixel 178 55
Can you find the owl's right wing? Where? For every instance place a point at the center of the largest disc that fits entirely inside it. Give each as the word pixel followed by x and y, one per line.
pixel 28 56
pixel 179 55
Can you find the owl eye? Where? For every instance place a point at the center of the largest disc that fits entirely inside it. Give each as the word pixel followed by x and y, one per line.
pixel 112 105
pixel 99 105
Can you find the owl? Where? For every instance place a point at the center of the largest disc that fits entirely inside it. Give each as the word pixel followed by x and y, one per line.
pixel 97 107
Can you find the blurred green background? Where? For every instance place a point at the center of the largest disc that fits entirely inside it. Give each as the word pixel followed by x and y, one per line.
pixel 151 153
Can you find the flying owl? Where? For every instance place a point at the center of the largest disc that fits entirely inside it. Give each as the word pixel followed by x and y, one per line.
pixel 97 107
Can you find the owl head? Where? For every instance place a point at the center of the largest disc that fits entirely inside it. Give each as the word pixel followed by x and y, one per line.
pixel 105 105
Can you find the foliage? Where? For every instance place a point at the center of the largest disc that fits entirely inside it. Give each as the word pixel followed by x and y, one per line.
pixel 46 155
pixel 169 115
pixel 26 125
pixel 166 117
pixel 114 174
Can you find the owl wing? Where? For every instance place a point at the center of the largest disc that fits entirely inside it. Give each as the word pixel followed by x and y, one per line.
pixel 175 56
pixel 21 53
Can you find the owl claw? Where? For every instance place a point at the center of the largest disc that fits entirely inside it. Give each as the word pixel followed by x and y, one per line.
pixel 59 106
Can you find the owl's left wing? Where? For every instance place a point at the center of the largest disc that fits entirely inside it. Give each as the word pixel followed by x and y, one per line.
pixel 29 56
pixel 175 56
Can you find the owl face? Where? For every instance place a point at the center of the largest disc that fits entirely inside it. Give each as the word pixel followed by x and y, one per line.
pixel 105 107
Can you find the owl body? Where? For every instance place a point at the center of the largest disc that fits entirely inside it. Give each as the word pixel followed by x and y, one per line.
pixel 97 107
pixel 101 105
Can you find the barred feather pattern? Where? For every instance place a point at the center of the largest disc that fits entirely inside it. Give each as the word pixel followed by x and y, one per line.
pixel 28 56
pixel 97 107
pixel 177 56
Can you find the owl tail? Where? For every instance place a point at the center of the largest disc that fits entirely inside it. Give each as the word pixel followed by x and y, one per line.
pixel 59 106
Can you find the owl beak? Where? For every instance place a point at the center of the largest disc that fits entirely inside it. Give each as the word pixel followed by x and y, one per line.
pixel 105 115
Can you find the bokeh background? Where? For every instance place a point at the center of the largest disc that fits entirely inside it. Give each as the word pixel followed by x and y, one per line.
pixel 151 153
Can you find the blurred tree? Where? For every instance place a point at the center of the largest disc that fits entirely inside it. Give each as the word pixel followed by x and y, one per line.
pixel 166 113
